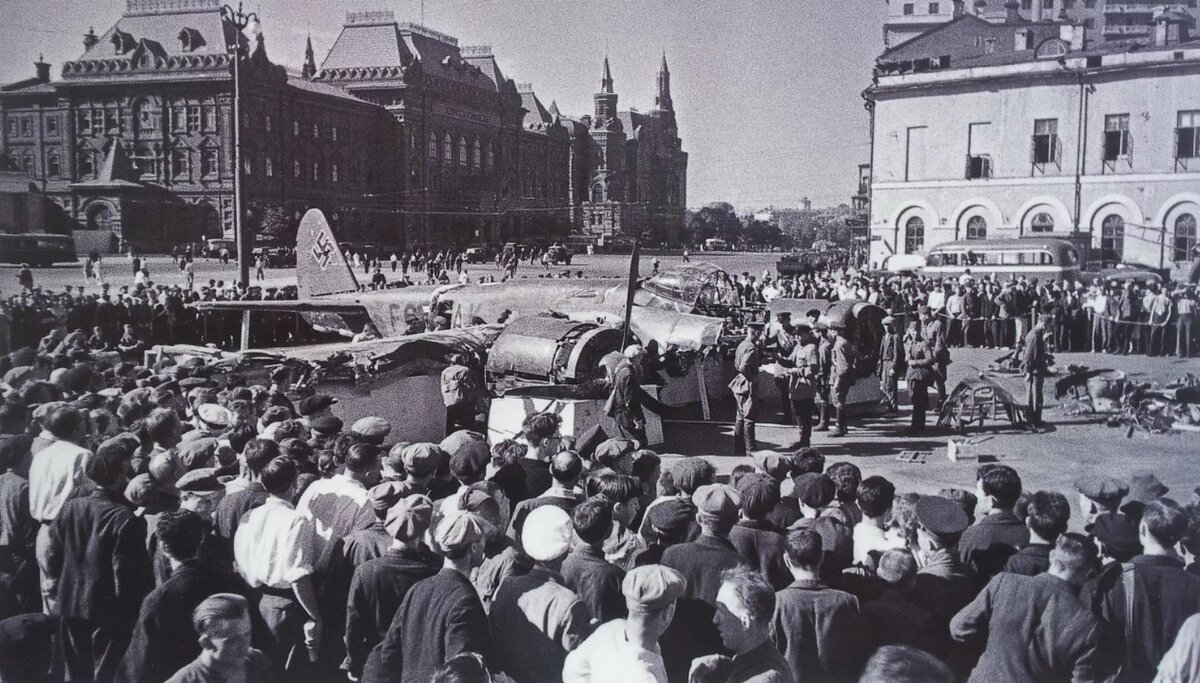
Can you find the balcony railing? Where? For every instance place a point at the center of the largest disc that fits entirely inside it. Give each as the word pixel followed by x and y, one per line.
pixel 1123 30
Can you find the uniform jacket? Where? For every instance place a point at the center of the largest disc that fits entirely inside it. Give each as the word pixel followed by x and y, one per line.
pixel 747 359
pixel 802 376
pixel 625 392
pixel 817 630
pixel 1036 629
pixel 921 362
pixel 841 359
pixel 935 335
pixel 891 355
pixel 1035 357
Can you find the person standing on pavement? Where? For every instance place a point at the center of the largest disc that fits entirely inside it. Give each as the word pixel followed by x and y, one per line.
pixel 824 359
pixel 459 395
pixel 1035 365
pixel 841 375
pixel 934 333
pixel 891 364
pixel 1185 320
pixel 747 360
pixel 921 374
pixel 803 377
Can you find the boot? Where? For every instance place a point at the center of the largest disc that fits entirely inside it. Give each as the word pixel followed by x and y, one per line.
pixel 824 424
pixel 841 423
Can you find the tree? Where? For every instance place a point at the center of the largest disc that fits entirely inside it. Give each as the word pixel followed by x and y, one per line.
pixel 276 226
pixel 716 220
pixel 763 234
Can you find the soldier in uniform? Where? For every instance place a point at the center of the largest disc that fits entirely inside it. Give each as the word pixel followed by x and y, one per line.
pixel 746 359
pixel 781 338
pixel 1035 364
pixel 920 361
pixel 934 333
pixel 841 375
pixel 802 373
pixel 891 363
pixel 824 358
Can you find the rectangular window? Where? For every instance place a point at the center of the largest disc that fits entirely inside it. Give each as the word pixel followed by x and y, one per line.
pixel 12 127
pixel 26 126
pixel 934 8
pixel 210 162
pixel 210 118
pixel 1116 137
pixel 179 119
pixel 316 170
pixel 909 8
pixel 267 123
pixel 52 126
pixel 333 133
pixel 1187 135
pixel 112 121
pixel 1089 4
pixel 295 129
pixel 1045 141
pixel 316 131
pixel 53 167
pixel 179 164
pixel 296 169
pixel 269 168
pixel 193 119
pixel 1026 5
pixel 979 147
pixel 333 173
pixel 1048 4
pixel 914 160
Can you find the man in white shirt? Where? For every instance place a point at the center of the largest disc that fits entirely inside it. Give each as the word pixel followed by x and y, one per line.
pixel 273 553
pixel 54 475
pixel 340 505
pixel 871 536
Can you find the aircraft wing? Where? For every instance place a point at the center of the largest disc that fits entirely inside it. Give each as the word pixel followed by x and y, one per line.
pixel 685 331
pixel 288 305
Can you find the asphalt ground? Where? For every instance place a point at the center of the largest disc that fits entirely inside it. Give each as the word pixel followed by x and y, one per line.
pixel 1071 447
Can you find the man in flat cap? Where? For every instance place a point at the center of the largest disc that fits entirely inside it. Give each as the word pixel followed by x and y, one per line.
pixel 535 618
pixel 1035 366
pixel 97 553
pixel 441 616
pixel 627 649
pixel 803 376
pixel 379 585
pixel 758 541
pixel 671 522
pixel 1099 495
pixel 312 408
pixel 371 429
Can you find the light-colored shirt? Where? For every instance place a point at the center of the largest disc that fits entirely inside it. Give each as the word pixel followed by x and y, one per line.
pixel 325 502
pixel 56 470
pixel 273 545
pixel 1181 664
pixel 870 538
pixel 608 657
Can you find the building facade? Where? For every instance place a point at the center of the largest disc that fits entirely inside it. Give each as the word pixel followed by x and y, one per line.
pixel 400 136
pixel 1050 135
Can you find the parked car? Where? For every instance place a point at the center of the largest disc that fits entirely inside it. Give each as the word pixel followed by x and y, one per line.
pixel 213 247
pixel 558 254
pixel 476 255
pixel 275 256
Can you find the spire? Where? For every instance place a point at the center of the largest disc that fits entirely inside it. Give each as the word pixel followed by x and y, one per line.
pixel 662 101
pixel 310 63
pixel 606 84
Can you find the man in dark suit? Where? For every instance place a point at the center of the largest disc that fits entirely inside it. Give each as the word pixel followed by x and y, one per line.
pixel 986 546
pixel 1035 365
pixel 594 579
pixel 759 542
pixel 98 555
pixel 1036 629
pixel 157 650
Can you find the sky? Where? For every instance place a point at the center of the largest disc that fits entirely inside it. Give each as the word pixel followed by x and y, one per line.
pixel 766 92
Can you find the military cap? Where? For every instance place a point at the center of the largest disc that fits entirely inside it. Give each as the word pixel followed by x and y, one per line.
pixel 612 450
pixel 941 516
pixel 373 429
pixel 478 499
pixel 671 518
pixel 652 587
pixel 214 415
pixel 718 500
pixel 458 439
pixel 1145 487
pixel 775 465
pixel 326 425
pixel 196 453
pixel 802 324
pixel 1118 534
pixel 314 404
pixel 458 530
pixel 469 462
pixel 814 490
pixel 422 459
pixel 409 517
pixel 202 480
pixel 547 533
pixel 1103 490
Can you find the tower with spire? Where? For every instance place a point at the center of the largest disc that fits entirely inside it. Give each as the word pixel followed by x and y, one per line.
pixel 662 101
pixel 608 141
pixel 606 99
pixel 310 62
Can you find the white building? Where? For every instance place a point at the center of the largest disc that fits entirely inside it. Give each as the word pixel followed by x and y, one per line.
pixel 1042 132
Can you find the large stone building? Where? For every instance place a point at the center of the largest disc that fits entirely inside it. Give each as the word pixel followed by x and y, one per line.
pixel 400 135
pixel 1009 129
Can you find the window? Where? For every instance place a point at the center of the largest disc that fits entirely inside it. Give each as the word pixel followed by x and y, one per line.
pixel 1026 5
pixel 476 156
pixel 979 162
pixel 934 8
pixel 268 167
pixel 148 157
pixel 247 163
pixel 316 132
pixel 976 228
pixel 909 8
pixel 432 152
pixel 316 170
pixel 53 164
pixel 296 169
pixel 333 173
pixel 1112 239
pixel 1045 141
pixel 26 126
pixel 462 151
pixel 447 150
pixel 1187 135
pixel 12 127
pixel 1042 222
pixel 1048 4
pixel 267 123
pixel 1089 23
pixel 193 119
pixel 52 126
pixel 210 118
pixel 1185 237
pixel 1068 4
pixel 914 235
pixel 178 118
pixel 179 164
pixel 1089 4
pixel 295 129
pixel 210 162
pixel 491 155
pixel 86 164
pixel 1116 137
pixel 333 133
pixel 27 164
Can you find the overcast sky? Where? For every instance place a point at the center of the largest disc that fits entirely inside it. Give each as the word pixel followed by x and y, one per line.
pixel 767 92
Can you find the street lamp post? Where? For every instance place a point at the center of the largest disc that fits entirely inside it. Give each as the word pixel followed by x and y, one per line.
pixel 240 20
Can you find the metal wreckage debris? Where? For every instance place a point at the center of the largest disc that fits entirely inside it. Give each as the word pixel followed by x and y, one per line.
pixel 1135 406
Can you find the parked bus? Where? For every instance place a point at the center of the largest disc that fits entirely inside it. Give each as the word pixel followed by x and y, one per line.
pixel 715 244
pixel 1043 259
pixel 37 249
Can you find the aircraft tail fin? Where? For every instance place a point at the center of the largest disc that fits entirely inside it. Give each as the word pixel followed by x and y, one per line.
pixel 321 267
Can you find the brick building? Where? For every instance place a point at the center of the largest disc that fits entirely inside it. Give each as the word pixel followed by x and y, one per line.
pixel 401 136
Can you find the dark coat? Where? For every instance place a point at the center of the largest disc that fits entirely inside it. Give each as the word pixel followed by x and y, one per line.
pixel 893 619
pixel 987 545
pixel 1035 356
pixel 535 620
pixel 817 630
pixel 440 617
pixel 921 362
pixel 98 551
pixel 158 648
pixel 692 633
pixel 762 664
pixel 376 592
pixel 230 509
pixel 596 581
pixel 1035 629
pixel 761 546
pixel 1029 561
pixel 701 563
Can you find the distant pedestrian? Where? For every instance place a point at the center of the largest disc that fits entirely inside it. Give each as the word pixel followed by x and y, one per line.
pixel 259 265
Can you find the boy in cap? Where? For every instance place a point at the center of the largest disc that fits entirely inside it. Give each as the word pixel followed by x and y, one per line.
pixel 758 541
pixel 1099 495
pixel 535 618
pixel 371 429
pixel 627 649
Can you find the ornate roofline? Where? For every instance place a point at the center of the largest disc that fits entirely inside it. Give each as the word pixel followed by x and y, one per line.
pixel 138 8
pixel 362 73
pixel 84 68
pixel 417 29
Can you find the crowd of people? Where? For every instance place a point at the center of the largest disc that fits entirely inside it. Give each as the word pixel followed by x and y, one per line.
pixel 175 523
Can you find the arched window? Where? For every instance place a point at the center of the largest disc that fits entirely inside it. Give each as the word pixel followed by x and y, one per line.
pixel 1042 222
pixel 1185 237
pixel 1112 239
pixel 462 151
pixel 491 155
pixel 476 156
pixel 914 235
pixel 432 151
pixel 976 228
pixel 53 164
pixel 448 150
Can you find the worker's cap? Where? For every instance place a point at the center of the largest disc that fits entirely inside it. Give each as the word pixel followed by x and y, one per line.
pixel 652 587
pixel 1118 535
pixel 672 517
pixel 422 459
pixel 460 438
pixel 214 415
pixel 547 533
pixel 459 530
pixel 612 450
pixel 326 425
pixel 717 500
pixel 1145 487
pixel 776 465
pixel 165 467
pixel 814 490
pixel 372 428
pixel 941 516
pixel 469 462
pixel 314 404
pixel 757 491
pixel 195 453
pixel 408 519
pixel 1102 489
pixel 273 415
pixel 202 480
pixel 188 383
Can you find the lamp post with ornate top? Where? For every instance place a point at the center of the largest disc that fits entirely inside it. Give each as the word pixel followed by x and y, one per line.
pixel 239 20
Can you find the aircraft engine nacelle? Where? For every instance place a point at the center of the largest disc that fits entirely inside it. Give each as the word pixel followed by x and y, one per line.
pixel 536 349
